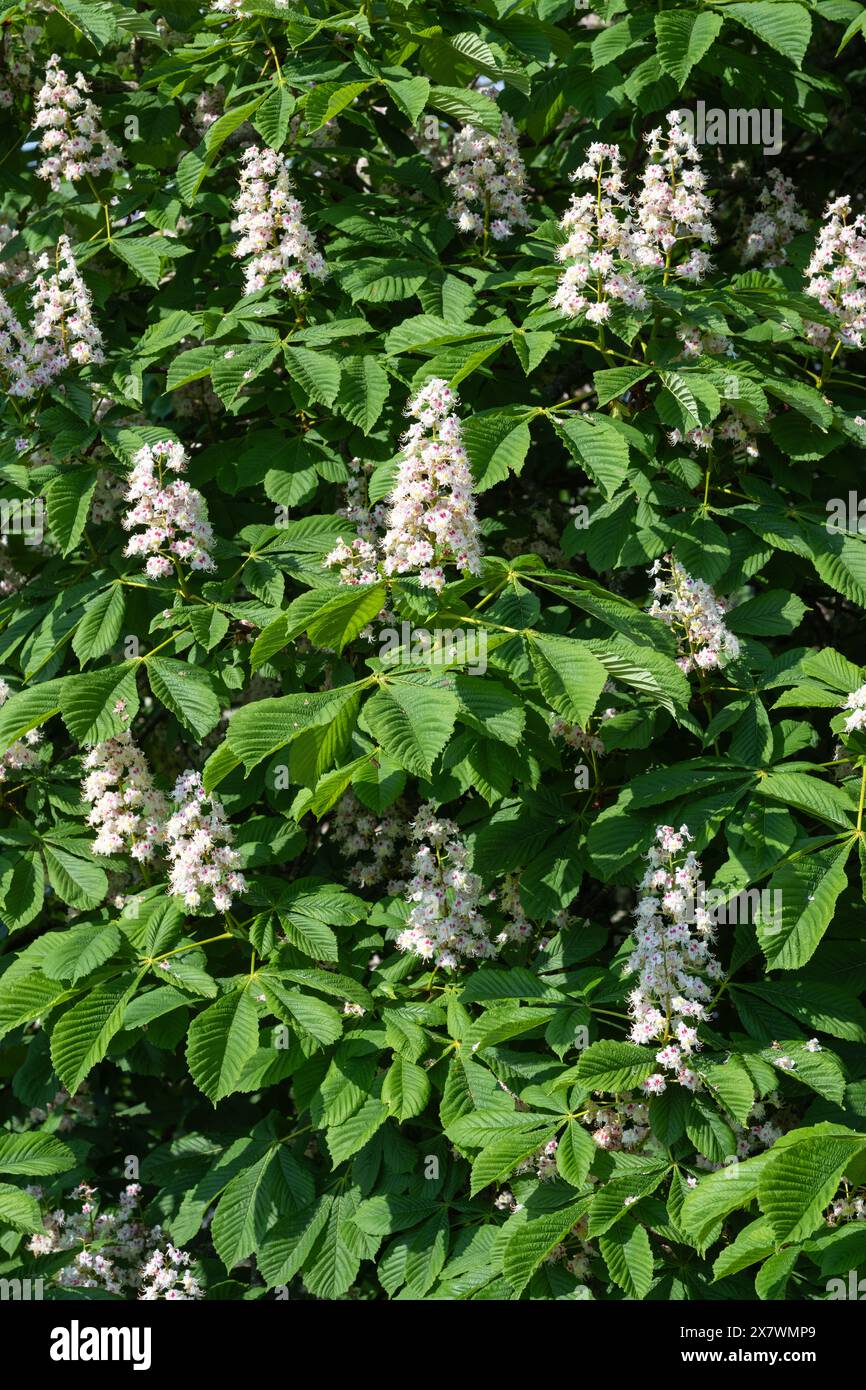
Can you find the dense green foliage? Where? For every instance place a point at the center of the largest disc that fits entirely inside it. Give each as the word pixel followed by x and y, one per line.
pixel 306 1106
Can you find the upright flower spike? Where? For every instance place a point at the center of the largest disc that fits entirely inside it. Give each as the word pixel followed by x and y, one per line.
pixel 19 365
pixel 672 207
pixel 63 330
pixel 776 222
pixel 21 754
pixel 273 232
pixel 204 863
pixel 72 141
pixel 488 177
pixel 358 560
pixel 597 252
pixel 856 703
pixel 173 514
pixel 836 276
pixel 431 516
pixel 444 925
pixel 63 309
pixel 128 809
pixel 672 958
pixel 695 614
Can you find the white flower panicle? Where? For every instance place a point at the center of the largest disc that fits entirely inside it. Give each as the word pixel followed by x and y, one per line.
pixel 21 754
pixel 732 428
pixel 431 514
pixel 63 329
pixel 22 372
pixel 836 276
pixel 63 310
pixel 856 702
pixel 167 1275
pixel 444 924
pixel 109 1246
pixel 488 177
pixel 204 863
pixel 672 959
pixel 598 251
pixel 695 614
pixel 672 206
pixel 72 140
pixel 371 841
pixel 622 1125
pixel 173 514
pixel 270 220
pixel 128 811
pixel 697 343
pixel 18 61
pixel 776 222
pixel 358 559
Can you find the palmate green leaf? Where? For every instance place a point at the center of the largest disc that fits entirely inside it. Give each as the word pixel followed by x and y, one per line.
pixel 100 704
pixel 141 254
pixel 273 117
pixel 708 1131
pixel 67 500
pixel 811 795
pixel 36 1155
pixel 575 1152
pixel 74 878
pixel 334 1263
pixel 260 730
pixel 19 1209
pixel 81 1037
pixel 22 889
pixel 733 1087
pixel 251 1204
pixel 220 1042
pixel 599 448
pixel 809 888
pixel 533 1241
pixel 363 391
pixel 614 1066
pixel 466 106
pixel 327 101
pixel 313 1016
pixel 718 1194
pixel 627 1253
pixel 28 996
pixel 347 1138
pixel 426 1254
pixel 97 21
pixel 27 709
pixel 753 1243
pixel 410 95
pixel 405 1088
pixel 412 723
pixel 74 953
pixel 497 442
pixel 784 26
pixel 570 676
pixel 317 372
pixel 772 1278
pixel 820 1071
pixel 799 1181
pixel 284 1249
pixel 185 691
pixel 100 627
pixel 236 368
pixel 828 1008
pixel 683 38
pixel 340 620
pixel 772 613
